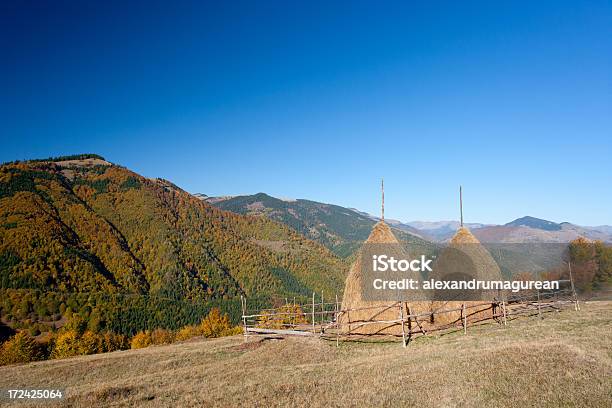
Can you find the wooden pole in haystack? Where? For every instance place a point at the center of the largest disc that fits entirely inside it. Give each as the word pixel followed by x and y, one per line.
pixel 382 209
pixel 576 305
pixel 313 313
pixel 461 204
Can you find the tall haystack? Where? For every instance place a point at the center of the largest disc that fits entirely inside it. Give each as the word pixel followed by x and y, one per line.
pixel 482 267
pixel 478 264
pixel 352 320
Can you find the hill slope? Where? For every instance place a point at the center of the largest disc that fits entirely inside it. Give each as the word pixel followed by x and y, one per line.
pixel 340 229
pixel 561 360
pixel 85 225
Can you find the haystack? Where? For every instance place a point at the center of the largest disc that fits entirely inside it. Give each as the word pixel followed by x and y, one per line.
pixel 482 267
pixel 352 320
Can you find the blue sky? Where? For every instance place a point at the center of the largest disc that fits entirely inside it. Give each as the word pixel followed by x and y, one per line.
pixel 320 100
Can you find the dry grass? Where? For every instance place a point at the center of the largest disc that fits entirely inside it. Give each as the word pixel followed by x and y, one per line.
pixel 563 360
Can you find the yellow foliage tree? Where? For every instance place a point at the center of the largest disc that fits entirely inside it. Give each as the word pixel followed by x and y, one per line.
pixel 162 336
pixel 141 340
pixel 66 344
pixel 91 343
pixel 216 324
pixel 188 332
pixel 113 341
pixel 21 348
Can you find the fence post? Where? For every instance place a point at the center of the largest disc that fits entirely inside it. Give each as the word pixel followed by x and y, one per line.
pixel 576 305
pixel 401 310
pixel 244 325
pixel 337 322
pixel 464 317
pixel 539 310
pixel 313 313
pixel 504 310
pixel 322 312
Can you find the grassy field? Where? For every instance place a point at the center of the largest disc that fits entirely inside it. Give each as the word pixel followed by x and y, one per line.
pixel 563 360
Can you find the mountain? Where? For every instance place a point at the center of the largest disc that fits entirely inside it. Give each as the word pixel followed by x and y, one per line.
pixel 530 229
pixel 604 229
pixel 524 229
pixel 340 229
pixel 440 230
pixel 396 224
pixel 536 223
pixel 84 225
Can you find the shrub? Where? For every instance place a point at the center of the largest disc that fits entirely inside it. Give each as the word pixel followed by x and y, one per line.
pixel 21 348
pixel 162 336
pixel 69 343
pixel 113 342
pixel 90 343
pixel 234 331
pixel 141 340
pixel 215 324
pixel 188 332
pixel 66 344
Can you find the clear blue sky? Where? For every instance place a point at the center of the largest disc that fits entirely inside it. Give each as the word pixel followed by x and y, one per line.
pixel 320 100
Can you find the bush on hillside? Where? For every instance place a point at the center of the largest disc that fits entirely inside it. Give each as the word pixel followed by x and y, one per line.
pixel 114 342
pixel 162 336
pixel 70 343
pixel 187 332
pixel 21 348
pixel 66 344
pixel 141 339
pixel 215 324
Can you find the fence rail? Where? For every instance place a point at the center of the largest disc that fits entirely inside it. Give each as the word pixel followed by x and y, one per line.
pixel 326 319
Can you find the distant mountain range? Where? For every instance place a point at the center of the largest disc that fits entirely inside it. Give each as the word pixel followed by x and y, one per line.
pixel 530 229
pixel 342 229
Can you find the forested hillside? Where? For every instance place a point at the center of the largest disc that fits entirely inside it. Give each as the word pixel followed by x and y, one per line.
pixel 81 235
pixel 340 229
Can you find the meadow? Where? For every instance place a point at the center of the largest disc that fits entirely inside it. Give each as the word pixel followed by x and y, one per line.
pixel 564 359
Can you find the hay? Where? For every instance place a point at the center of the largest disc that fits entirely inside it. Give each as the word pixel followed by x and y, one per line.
pixel 485 268
pixel 377 310
pixel 464 236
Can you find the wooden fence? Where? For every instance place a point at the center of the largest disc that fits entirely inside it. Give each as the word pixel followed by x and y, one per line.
pixel 325 319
